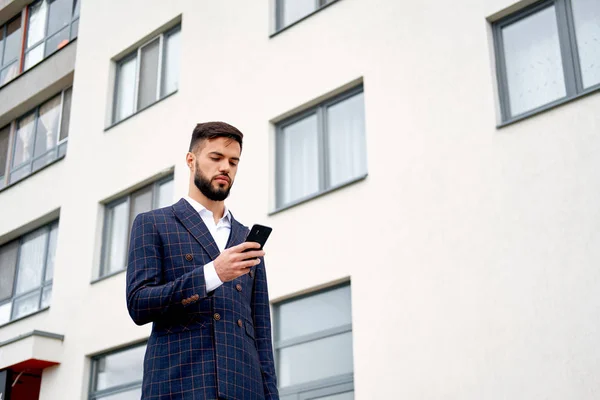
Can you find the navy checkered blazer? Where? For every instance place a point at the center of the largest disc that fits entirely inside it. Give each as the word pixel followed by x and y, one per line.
pixel 203 345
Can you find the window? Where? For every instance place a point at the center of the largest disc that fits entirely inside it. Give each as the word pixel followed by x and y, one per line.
pixel 118 375
pixel 26 270
pixel 119 218
pixel 49 25
pixel 313 351
pixel 290 11
pixel 546 54
pixel 35 140
pixel 321 149
pixel 148 74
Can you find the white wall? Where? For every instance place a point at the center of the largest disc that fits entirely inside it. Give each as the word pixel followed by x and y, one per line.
pixel 472 250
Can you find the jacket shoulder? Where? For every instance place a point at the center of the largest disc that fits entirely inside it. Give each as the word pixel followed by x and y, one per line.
pixel 157 215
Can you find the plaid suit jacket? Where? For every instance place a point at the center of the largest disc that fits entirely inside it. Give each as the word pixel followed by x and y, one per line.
pixel 203 345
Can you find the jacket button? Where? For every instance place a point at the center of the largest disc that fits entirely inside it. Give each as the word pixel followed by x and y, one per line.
pixel 240 323
pixel 238 287
pixel 189 257
pixel 217 316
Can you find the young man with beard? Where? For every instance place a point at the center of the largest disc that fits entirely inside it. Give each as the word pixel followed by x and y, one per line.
pixel 188 274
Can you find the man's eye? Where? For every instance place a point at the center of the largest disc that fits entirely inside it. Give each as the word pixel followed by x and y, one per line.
pixel 233 164
pixel 214 158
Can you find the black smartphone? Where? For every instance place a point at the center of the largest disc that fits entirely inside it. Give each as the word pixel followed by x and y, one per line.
pixel 258 234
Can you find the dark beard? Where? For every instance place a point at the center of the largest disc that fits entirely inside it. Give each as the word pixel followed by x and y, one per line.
pixel 204 185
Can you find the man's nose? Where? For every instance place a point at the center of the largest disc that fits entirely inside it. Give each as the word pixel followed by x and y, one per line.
pixel 224 167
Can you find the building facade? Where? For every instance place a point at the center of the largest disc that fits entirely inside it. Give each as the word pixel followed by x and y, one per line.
pixel 429 170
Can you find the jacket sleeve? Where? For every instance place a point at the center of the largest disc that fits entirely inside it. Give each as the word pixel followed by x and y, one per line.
pixel 148 297
pixel 261 314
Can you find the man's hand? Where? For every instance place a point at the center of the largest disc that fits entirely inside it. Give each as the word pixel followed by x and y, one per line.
pixel 230 264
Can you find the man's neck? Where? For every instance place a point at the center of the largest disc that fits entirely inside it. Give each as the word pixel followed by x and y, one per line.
pixel 216 207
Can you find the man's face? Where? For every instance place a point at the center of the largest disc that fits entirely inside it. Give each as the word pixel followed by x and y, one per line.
pixel 216 165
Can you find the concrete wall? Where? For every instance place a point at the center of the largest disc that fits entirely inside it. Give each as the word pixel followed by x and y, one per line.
pixel 472 250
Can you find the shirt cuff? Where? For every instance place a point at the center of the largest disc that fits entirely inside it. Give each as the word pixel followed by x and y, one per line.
pixel 211 278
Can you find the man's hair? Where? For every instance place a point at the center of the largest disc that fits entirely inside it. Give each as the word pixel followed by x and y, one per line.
pixel 212 130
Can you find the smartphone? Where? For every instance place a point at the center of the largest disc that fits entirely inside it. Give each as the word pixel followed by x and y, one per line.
pixel 258 234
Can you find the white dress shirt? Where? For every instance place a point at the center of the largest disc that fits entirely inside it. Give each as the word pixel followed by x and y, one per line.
pixel 220 233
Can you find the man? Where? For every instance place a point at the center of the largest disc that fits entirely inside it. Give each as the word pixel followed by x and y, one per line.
pixel 207 300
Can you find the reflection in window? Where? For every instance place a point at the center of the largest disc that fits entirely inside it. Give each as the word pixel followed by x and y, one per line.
pixel 586 14
pixel 40 138
pixel 538 66
pixel 24 144
pixel 314 351
pixel 290 11
pixel 49 28
pixel 26 271
pixel 321 148
pixel 533 61
pixel 4 141
pixel 119 216
pixel 148 74
pixel 118 375
pixel 10 40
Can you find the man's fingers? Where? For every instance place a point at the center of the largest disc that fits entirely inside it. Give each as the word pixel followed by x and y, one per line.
pixel 248 263
pixel 249 254
pixel 247 245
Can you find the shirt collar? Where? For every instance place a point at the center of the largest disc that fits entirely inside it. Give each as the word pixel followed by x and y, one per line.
pixel 203 211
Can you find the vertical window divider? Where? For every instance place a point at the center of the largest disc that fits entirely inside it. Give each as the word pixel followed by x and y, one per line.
pixel 12 138
pixel 138 67
pixel 45 265
pixel 321 141
pixel 16 278
pixel 128 235
pixel 502 77
pixel 60 118
pixel 47 26
pixel 161 44
pixel 572 34
pixel 154 194
pixel 565 47
pixel 25 27
pixel 34 135
pixel 278 165
pixel 4 32
pixel 104 246
pixel 62 109
pixel 14 147
pixel 279 13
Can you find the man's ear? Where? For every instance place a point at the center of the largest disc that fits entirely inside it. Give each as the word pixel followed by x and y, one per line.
pixel 190 159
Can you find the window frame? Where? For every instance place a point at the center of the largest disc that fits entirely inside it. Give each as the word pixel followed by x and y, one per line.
pixel 99 394
pixel 320 110
pixel 569 56
pixel 136 55
pixel 323 387
pixel 279 14
pixel 44 284
pixel 59 148
pixel 105 248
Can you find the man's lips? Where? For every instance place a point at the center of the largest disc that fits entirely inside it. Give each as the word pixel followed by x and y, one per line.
pixel 222 179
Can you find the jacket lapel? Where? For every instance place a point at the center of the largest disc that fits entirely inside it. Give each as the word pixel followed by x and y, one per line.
pixel 238 233
pixel 192 221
